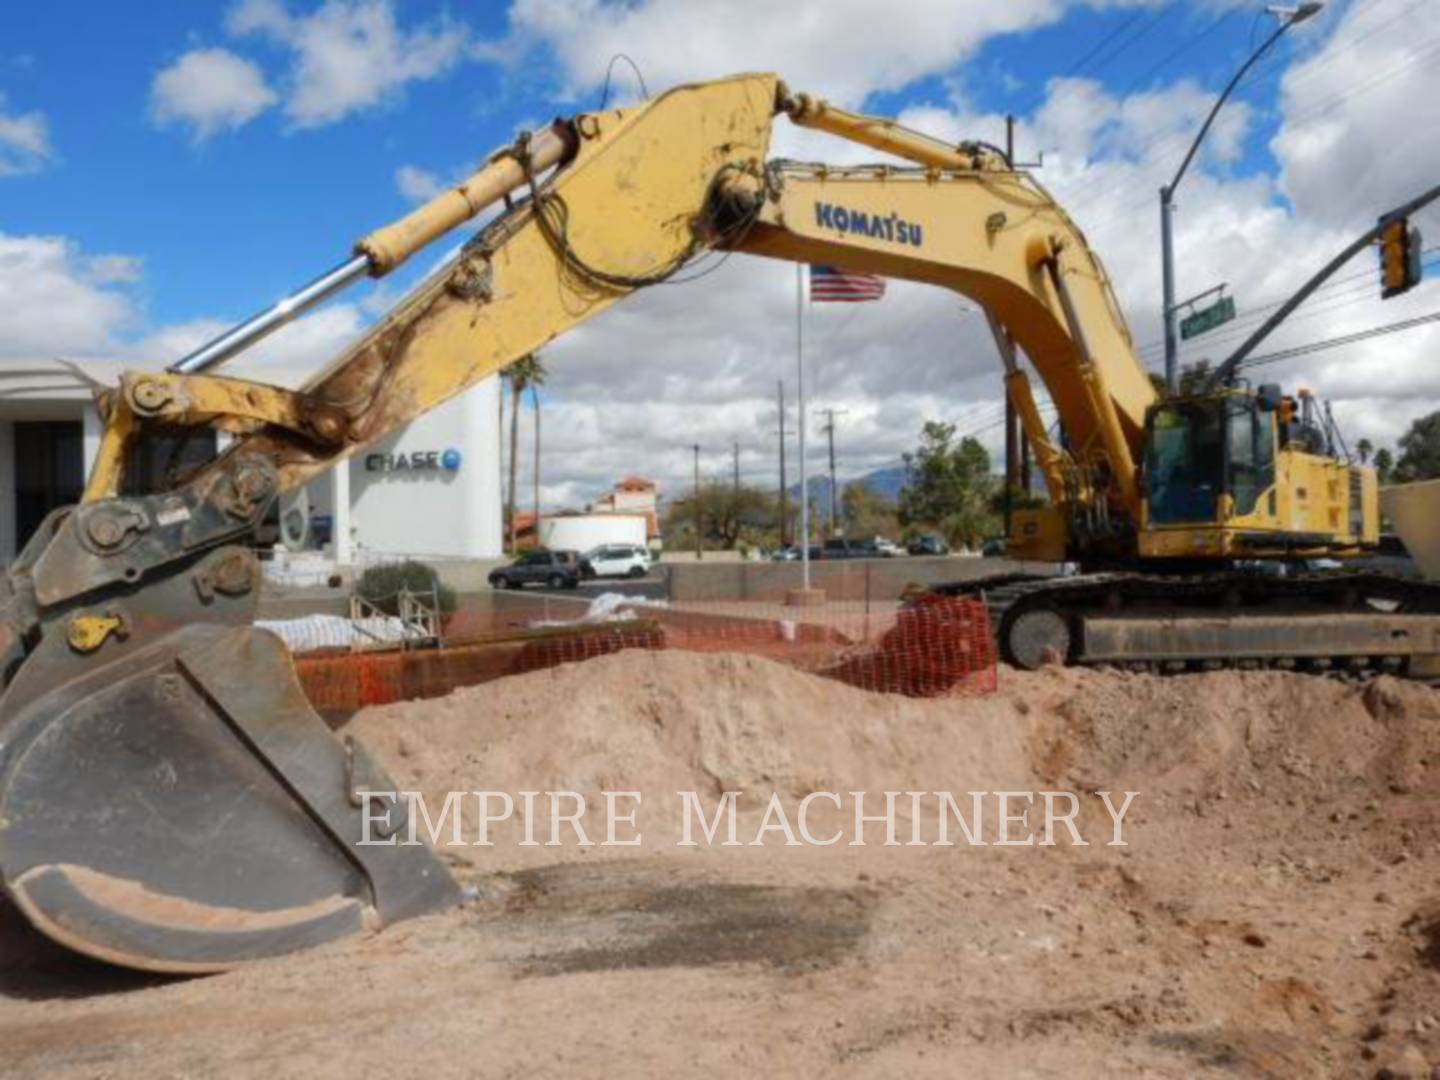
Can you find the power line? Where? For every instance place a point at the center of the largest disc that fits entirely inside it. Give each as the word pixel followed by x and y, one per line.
pixel 1317 111
pixel 1175 54
pixel 1352 41
pixel 1352 281
pixel 1344 339
pixel 1099 50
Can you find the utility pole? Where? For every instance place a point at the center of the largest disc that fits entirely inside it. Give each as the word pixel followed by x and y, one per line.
pixel 829 430
pixel 800 424
pixel 696 517
pixel 736 456
pixel 1288 17
pixel 784 492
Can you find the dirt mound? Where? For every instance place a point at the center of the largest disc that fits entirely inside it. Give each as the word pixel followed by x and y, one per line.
pixel 1242 730
pixel 665 722
pixel 1274 914
pixel 661 722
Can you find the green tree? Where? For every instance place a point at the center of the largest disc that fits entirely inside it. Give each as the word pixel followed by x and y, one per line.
pixel 948 487
pixel 1364 448
pixel 1020 499
pixel 727 515
pixel 1192 379
pixel 1420 450
pixel 1384 464
pixel 865 512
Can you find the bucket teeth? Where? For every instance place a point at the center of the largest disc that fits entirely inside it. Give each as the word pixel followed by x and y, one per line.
pixel 169 800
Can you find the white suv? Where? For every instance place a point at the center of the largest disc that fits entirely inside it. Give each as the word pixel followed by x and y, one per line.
pixel 616 560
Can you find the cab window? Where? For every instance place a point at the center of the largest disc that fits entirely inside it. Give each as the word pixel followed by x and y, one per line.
pixel 1184 461
pixel 1250 453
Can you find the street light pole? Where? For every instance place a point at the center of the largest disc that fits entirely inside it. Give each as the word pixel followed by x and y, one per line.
pixel 697 517
pixel 1288 17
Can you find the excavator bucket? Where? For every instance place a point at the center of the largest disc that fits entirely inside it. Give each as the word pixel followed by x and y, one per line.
pixel 168 799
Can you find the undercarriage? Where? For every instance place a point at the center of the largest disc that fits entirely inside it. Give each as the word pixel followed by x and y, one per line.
pixel 1321 622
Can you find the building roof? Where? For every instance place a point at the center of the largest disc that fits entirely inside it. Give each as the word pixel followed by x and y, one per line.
pixel 52 389
pixel 635 483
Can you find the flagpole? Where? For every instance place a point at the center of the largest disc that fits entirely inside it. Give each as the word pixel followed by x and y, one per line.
pixel 800 396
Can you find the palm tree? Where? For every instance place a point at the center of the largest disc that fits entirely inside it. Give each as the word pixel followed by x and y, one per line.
pixel 520 375
pixel 1363 448
pixel 1384 462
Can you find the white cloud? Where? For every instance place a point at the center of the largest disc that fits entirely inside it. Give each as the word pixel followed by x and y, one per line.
pixel 58 301
pixel 54 303
pixel 211 90
pixel 349 55
pixel 114 269
pixel 841 48
pixel 1354 114
pixel 288 357
pixel 294 353
pixel 417 184
pixel 24 142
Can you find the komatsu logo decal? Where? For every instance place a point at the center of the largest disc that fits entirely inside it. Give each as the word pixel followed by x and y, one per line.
pixel 879 226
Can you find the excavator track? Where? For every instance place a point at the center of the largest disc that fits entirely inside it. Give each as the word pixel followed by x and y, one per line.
pixel 1321 622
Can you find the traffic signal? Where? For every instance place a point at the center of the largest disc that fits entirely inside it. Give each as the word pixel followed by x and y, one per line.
pixel 1400 268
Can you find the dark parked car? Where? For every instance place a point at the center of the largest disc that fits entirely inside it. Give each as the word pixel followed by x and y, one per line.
pixel 929 544
pixel 554 569
pixel 840 548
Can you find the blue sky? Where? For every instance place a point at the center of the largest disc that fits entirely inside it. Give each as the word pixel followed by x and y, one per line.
pixel 242 215
pixel 223 153
pixel 225 222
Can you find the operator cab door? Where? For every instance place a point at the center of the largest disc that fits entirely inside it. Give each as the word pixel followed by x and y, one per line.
pixel 1199 451
pixel 1184 462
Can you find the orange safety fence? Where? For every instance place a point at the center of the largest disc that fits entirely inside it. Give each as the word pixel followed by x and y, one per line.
pixel 933 645
pixel 339 682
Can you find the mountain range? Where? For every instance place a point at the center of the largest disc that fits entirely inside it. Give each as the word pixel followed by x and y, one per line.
pixel 886 482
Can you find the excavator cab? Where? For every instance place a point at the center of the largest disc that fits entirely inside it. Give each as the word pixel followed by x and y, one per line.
pixel 1245 473
pixel 1205 449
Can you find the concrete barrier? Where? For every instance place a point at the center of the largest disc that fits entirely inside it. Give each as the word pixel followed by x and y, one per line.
pixel 878 580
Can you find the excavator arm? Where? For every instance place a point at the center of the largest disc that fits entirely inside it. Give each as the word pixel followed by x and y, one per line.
pixel 634 195
pixel 167 798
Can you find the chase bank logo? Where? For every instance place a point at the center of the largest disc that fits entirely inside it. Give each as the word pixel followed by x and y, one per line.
pixel 414 461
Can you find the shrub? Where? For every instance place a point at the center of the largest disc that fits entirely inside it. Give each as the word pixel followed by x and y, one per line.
pixel 381 585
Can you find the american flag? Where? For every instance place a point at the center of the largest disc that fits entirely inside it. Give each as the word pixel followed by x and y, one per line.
pixel 829 285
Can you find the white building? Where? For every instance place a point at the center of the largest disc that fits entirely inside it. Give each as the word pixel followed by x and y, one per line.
pixel 584 532
pixel 432 489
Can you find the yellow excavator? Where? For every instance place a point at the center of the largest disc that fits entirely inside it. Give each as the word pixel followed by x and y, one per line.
pixel 168 799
